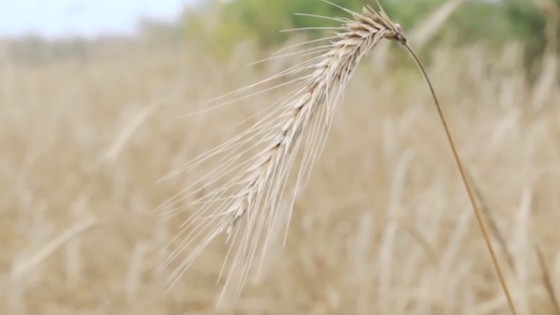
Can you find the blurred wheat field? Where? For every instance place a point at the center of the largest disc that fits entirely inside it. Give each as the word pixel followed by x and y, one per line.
pixel 384 226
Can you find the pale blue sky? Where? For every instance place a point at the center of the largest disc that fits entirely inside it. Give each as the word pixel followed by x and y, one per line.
pixel 55 18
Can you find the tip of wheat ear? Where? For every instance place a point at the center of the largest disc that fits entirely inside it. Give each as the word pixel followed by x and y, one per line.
pixel 248 189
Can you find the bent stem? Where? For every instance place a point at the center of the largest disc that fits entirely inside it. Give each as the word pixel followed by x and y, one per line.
pixel 477 211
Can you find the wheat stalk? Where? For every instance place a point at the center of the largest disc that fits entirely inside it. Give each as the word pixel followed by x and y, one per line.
pixel 250 183
pixel 468 188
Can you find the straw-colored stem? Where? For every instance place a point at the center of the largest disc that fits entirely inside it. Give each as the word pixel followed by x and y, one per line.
pixel 477 211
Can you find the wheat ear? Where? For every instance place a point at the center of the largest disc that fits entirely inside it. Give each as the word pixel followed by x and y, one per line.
pixel 250 183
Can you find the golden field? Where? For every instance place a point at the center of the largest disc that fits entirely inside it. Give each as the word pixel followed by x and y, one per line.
pixel 383 227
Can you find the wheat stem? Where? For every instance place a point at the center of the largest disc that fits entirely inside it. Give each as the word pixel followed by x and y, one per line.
pixel 477 211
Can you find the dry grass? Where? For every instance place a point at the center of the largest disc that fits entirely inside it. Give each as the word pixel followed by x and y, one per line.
pixel 383 227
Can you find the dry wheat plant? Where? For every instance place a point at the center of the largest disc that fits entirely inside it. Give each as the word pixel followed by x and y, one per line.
pixel 384 225
pixel 251 192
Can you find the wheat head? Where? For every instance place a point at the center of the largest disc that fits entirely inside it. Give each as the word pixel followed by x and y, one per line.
pixel 260 170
